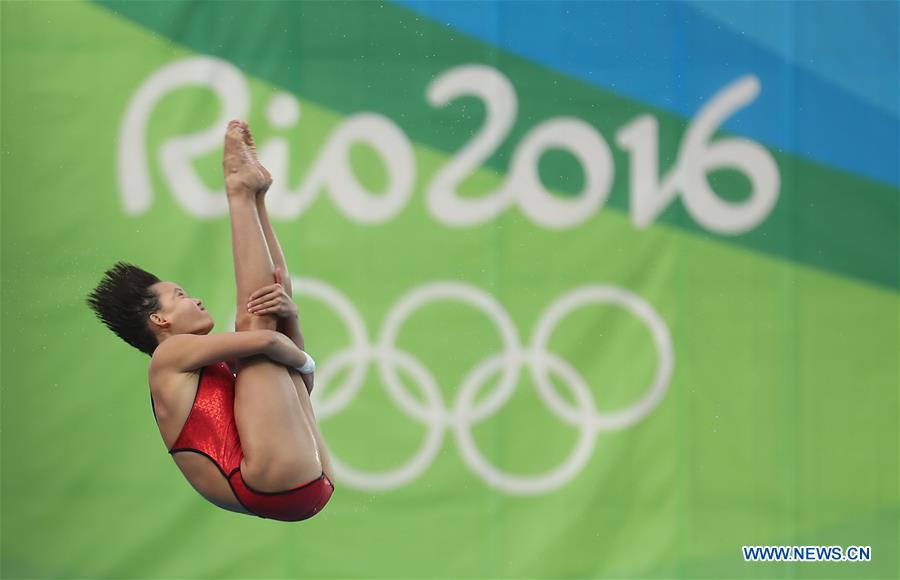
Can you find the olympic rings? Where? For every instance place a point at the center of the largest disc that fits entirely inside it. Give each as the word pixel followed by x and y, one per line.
pixel 462 414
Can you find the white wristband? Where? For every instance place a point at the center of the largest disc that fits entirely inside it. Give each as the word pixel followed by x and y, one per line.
pixel 308 368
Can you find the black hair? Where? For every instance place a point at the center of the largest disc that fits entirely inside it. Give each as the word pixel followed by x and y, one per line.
pixel 123 301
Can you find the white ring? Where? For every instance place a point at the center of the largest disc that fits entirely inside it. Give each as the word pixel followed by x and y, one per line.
pixel 434 414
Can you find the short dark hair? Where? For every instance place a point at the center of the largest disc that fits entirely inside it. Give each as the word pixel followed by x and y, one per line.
pixel 123 301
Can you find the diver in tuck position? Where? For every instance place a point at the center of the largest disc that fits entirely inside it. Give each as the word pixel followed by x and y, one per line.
pixel 233 408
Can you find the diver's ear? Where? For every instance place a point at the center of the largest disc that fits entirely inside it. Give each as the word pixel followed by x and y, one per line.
pixel 159 320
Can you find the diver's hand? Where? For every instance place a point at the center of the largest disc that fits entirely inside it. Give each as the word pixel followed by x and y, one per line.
pixel 272 299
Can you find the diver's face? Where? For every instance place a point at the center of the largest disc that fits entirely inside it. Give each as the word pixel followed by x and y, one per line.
pixel 184 315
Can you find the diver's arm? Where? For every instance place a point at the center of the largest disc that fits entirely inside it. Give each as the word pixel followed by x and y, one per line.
pixel 186 352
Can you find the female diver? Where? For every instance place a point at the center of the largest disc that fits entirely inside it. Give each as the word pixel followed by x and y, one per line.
pixel 233 408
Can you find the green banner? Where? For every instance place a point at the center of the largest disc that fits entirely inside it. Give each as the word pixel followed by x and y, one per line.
pixel 561 331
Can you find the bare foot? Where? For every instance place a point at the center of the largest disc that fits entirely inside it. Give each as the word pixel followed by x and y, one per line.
pixel 243 171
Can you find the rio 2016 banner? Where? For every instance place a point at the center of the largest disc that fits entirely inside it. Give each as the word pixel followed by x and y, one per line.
pixel 595 289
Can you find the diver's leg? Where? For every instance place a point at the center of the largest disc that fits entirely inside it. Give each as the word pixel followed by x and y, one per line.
pixel 305 402
pixel 280 447
pixel 272 243
pixel 277 255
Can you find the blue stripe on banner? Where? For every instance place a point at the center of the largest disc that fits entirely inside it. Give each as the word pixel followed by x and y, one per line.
pixel 852 47
pixel 673 56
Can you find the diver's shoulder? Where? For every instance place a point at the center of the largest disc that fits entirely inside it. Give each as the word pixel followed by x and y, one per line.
pixel 164 356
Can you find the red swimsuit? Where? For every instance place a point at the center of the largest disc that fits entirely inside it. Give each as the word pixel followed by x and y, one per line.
pixel 210 430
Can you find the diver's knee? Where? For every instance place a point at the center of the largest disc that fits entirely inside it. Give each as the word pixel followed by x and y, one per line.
pixel 245 322
pixel 242 322
pixel 264 322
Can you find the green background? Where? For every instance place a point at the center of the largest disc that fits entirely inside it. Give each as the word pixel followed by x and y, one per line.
pixel 779 425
